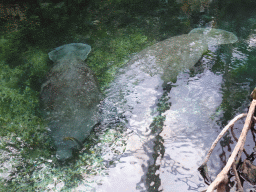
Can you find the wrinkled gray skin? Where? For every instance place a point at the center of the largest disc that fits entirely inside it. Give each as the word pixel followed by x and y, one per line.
pixel 70 98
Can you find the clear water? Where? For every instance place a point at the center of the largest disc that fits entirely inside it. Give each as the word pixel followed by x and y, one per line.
pixel 189 130
pixel 187 133
pixel 198 102
pixel 202 100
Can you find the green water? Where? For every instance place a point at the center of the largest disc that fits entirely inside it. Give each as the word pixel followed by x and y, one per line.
pixel 115 30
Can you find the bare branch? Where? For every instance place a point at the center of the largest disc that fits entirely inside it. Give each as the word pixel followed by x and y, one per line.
pixel 240 144
pixel 224 130
pixel 233 134
pixel 240 188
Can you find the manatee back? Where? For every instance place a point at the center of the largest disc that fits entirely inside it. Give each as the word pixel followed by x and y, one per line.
pixel 215 36
pixel 70 51
pixel 70 98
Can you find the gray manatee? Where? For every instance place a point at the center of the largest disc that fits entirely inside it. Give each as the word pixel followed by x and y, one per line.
pixel 70 98
pixel 135 93
pixel 140 83
pixel 169 57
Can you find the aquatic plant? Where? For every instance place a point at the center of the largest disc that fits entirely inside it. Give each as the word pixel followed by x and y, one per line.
pixel 110 54
pixel 24 63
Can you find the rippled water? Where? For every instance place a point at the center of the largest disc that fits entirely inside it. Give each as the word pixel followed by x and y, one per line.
pixel 167 159
pixel 189 130
pixel 165 147
pixel 187 134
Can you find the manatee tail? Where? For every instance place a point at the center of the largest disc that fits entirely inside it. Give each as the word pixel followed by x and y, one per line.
pixel 73 50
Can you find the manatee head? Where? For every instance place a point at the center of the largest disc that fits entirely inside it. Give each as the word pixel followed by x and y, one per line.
pixel 70 51
pixel 66 146
pixel 64 154
pixel 215 36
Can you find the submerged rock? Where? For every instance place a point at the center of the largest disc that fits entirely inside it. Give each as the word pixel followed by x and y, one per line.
pixel 70 98
pixel 249 171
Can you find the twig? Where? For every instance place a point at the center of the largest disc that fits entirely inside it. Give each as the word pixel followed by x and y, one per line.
pixel 240 144
pixel 233 134
pixel 224 130
pixel 240 188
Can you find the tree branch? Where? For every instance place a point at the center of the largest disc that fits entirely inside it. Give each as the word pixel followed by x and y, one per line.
pixel 239 146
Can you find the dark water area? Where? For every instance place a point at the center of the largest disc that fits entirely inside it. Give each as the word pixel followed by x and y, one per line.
pixel 158 119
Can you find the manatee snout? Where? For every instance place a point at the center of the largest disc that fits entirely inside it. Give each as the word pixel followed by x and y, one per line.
pixel 64 154
pixel 66 147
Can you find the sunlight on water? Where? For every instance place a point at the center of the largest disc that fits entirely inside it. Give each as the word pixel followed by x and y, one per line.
pixel 189 132
pixel 135 93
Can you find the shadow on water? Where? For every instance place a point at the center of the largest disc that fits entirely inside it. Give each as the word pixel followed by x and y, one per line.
pixel 188 95
pixel 153 181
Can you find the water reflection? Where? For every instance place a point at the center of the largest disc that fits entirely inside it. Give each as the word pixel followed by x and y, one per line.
pixel 133 98
pixel 189 130
pixel 168 160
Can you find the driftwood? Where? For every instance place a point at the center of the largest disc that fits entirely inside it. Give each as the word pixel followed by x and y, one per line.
pixel 222 178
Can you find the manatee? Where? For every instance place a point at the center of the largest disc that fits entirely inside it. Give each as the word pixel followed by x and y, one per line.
pixel 169 57
pixel 70 98
pixel 135 93
pixel 140 83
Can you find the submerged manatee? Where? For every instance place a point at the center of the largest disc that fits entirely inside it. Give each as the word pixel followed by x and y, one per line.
pixel 139 84
pixel 134 96
pixel 70 98
pixel 169 57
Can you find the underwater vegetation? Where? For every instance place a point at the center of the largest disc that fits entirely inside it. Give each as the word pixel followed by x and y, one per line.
pixel 24 138
pixel 24 64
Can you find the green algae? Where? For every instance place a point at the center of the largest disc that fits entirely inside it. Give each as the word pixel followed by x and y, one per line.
pixel 23 68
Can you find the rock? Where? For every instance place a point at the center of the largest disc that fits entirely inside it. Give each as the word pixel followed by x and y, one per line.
pixel 249 171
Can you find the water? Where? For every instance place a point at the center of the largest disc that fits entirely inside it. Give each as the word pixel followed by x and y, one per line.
pixel 189 130
pixel 164 148
pixel 168 161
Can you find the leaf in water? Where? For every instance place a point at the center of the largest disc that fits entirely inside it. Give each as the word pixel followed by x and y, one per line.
pixel 249 172
pixel 204 172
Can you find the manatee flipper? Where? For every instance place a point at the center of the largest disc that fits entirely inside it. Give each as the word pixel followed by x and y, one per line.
pixel 79 144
